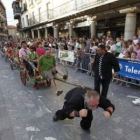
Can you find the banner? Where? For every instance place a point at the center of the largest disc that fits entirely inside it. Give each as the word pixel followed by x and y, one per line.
pixel 66 56
pixel 129 69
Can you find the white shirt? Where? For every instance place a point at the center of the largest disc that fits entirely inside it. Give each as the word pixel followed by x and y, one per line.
pixel 93 49
pixel 136 41
pixel 113 48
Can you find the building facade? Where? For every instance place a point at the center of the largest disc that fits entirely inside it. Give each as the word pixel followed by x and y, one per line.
pixel 75 18
pixel 12 31
pixel 3 22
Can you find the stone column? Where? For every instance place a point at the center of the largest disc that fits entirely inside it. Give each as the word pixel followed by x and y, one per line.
pixel 130 26
pixel 38 33
pixel 93 28
pixel 56 31
pixel 32 34
pixel 130 21
pixel 70 30
pixel 46 32
pixel 92 21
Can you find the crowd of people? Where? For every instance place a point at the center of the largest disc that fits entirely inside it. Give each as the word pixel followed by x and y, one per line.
pixel 129 49
pixel 33 50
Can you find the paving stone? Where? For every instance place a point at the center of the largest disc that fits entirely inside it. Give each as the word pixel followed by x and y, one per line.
pixel 7 134
pixel 137 131
pixel 23 107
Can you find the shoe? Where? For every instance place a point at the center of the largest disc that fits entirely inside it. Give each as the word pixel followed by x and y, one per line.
pixel 59 93
pixel 65 77
pixel 136 102
pixel 55 119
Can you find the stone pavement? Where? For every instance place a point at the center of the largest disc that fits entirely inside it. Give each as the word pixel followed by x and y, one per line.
pixel 26 113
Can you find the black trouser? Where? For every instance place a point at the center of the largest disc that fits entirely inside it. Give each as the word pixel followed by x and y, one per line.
pixel 85 122
pixel 105 85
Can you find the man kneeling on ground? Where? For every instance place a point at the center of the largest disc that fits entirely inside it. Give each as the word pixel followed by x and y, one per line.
pixel 79 102
pixel 47 65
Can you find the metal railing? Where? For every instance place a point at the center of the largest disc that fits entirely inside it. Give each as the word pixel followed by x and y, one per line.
pixel 62 10
pixel 82 4
pixel 83 62
pixel 39 18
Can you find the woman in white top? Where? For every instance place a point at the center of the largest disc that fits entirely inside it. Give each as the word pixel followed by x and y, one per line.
pixel 93 47
pixel 124 48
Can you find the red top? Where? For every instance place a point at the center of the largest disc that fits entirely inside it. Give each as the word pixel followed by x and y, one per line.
pixel 9 51
pixel 40 51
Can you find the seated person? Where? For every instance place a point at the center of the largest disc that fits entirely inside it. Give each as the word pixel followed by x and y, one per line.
pixel 32 57
pixel 9 52
pixel 16 55
pixel 23 54
pixel 48 67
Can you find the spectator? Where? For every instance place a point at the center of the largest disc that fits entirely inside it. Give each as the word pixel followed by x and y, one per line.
pixel 40 50
pixel 107 40
pixel 113 46
pixel 124 48
pixel 46 45
pixel 118 46
pixel 138 50
pixel 93 47
pixel 77 44
pixel 85 48
pixel 134 56
pixel 130 46
pixel 127 56
pixel 135 40
pixel 108 49
pixel 122 39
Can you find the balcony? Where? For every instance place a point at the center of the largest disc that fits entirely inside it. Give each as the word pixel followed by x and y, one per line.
pixel 16 9
pixel 38 18
pixel 65 9
pixel 19 26
pixel 84 4
pixel 24 7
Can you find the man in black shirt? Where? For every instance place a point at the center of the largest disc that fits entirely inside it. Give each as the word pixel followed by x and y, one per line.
pixel 79 102
pixel 102 67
